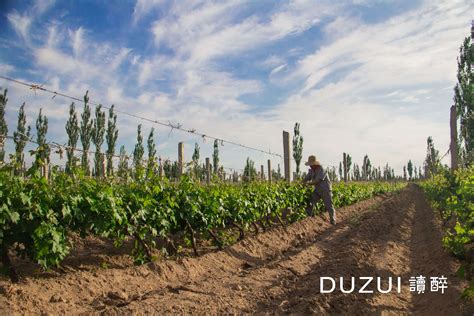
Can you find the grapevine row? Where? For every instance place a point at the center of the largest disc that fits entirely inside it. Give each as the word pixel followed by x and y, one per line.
pixel 37 216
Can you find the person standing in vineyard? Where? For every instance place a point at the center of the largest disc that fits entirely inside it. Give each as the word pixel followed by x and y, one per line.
pixel 318 177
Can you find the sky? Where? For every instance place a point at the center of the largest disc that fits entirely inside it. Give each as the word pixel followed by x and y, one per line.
pixel 361 77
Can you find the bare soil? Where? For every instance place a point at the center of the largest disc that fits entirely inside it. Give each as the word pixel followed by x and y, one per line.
pixel 277 271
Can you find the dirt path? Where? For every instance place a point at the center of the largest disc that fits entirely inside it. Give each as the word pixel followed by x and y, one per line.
pixel 278 271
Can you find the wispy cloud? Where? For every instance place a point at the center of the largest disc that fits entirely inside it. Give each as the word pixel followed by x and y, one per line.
pixel 21 23
pixel 145 7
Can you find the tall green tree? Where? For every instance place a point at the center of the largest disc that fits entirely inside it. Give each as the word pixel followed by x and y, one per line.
pixel 43 151
pixel 111 138
pixel 21 136
pixel 175 170
pixel 171 169
pixel 349 164
pixel 357 174
pixel 332 174
pixel 297 147
pixel 168 169
pixel 138 153
pixel 3 124
pixel 410 169
pixel 387 172
pixel 196 166
pixel 72 130
pixel 98 133
pixel 432 157
pixel 86 133
pixel 196 153
pixel 151 163
pixel 366 166
pixel 464 100
pixel 250 173
pixel 215 157
pixel 122 170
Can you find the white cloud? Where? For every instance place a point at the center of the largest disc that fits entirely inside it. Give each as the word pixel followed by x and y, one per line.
pixel 20 23
pixel 41 6
pixel 77 41
pixel 277 69
pixel 5 69
pixel 211 30
pixel 144 7
pixel 273 61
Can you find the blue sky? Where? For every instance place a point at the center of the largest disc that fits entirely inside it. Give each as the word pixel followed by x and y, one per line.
pixel 364 77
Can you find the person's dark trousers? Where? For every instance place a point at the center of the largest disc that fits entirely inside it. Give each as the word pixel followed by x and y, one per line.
pixel 326 196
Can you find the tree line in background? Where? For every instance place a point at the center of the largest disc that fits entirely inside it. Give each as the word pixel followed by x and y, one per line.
pixel 92 130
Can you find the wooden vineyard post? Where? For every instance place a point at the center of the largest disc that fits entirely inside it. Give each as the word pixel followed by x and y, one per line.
pixel 344 165
pixel 262 172
pixel 454 139
pixel 180 158
pixel 286 155
pixel 208 170
pixel 269 165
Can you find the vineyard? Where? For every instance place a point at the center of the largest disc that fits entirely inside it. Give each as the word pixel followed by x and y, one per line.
pixel 38 215
pixel 154 211
pixel 235 157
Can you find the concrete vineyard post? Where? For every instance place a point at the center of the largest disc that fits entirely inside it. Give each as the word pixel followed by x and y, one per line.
pixel 45 171
pixel 180 158
pixel 454 139
pixel 269 164
pixel 286 155
pixel 262 172
pixel 208 170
